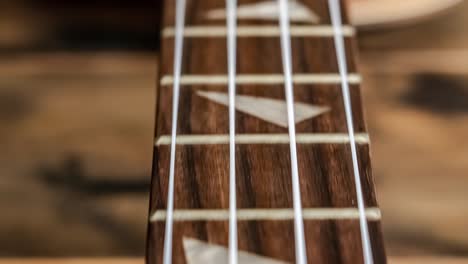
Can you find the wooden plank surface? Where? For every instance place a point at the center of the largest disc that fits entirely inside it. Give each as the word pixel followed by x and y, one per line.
pixel 415 93
pixel 76 153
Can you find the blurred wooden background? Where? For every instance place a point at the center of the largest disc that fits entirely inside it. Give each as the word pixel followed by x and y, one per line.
pixel 77 105
pixel 392 260
pixel 416 95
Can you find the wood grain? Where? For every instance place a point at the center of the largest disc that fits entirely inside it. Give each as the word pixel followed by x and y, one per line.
pixel 394 260
pixel 263 170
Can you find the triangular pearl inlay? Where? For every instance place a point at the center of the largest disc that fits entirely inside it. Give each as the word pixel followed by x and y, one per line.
pixel 199 252
pixel 267 109
pixel 268 10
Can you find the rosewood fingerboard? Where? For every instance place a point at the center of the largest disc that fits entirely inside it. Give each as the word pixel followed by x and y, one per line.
pixel 263 168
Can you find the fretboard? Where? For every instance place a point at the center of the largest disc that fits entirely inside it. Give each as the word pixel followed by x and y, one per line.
pixel 264 191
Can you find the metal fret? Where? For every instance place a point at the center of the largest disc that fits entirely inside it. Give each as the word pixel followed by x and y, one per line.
pixel 261 79
pixel 372 214
pixel 258 31
pixel 315 138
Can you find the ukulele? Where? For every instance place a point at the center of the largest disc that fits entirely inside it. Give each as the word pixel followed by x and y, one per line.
pixel 261 150
pixel 377 13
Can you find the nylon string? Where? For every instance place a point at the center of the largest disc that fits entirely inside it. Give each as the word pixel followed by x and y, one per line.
pixel 300 248
pixel 335 14
pixel 180 21
pixel 231 21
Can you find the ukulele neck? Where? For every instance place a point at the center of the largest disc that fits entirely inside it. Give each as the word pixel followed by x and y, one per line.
pixel 199 159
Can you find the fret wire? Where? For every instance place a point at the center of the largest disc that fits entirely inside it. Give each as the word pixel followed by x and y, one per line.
pixel 270 138
pixel 246 31
pixel 231 19
pixel 261 79
pixel 300 251
pixel 335 15
pixel 178 51
pixel 259 214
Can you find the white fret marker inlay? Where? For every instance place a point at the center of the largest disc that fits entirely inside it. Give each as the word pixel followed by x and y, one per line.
pixel 267 109
pixel 199 252
pixel 279 214
pixel 268 11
